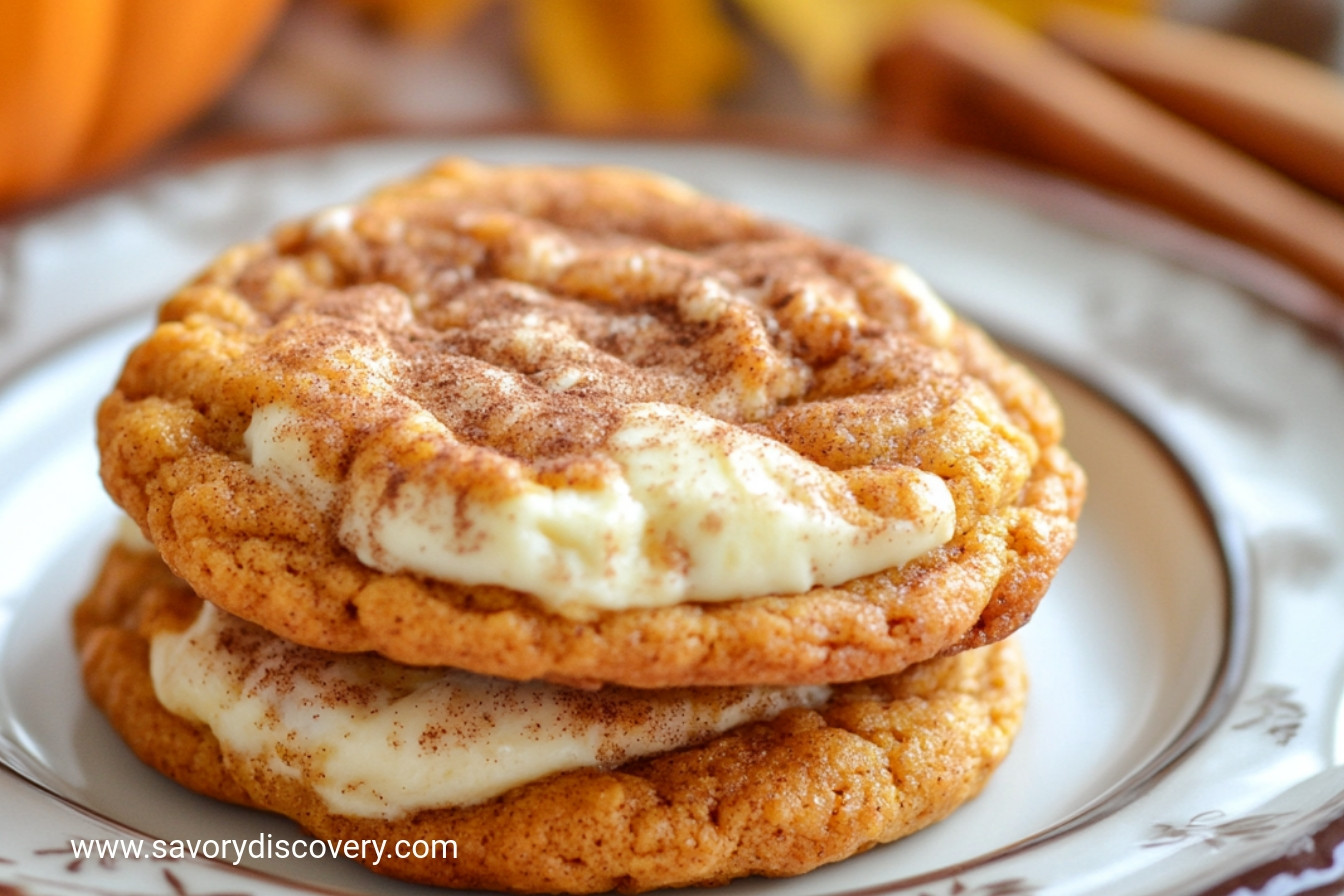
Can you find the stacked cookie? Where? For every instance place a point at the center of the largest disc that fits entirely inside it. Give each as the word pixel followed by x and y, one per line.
pixel 616 534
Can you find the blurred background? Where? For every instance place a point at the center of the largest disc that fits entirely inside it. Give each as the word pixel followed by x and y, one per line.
pixel 599 62
pixel 1229 113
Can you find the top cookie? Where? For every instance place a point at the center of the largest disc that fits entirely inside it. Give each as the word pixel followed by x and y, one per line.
pixel 591 426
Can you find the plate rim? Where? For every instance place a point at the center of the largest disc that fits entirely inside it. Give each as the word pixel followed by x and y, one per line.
pixel 1228 538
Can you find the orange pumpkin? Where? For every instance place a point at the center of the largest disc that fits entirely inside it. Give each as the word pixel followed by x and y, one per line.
pixel 86 85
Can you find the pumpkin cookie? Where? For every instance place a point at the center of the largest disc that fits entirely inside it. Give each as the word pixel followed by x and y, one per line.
pixel 540 788
pixel 588 425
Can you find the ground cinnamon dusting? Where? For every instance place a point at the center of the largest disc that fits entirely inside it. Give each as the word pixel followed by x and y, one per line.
pixel 479 332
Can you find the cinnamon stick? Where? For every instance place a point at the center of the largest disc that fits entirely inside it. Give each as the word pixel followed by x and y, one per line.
pixel 1281 108
pixel 963 74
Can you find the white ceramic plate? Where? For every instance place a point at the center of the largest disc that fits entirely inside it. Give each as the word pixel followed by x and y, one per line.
pixel 1187 666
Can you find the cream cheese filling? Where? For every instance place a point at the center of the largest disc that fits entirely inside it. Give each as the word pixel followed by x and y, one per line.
pixel 378 739
pixel 129 536
pixel 693 509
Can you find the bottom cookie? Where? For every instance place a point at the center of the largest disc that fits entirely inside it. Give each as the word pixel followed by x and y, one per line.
pixel 796 778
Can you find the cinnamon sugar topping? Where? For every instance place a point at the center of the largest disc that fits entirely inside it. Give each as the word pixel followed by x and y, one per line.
pixel 589 425
pixel 379 739
pixel 555 405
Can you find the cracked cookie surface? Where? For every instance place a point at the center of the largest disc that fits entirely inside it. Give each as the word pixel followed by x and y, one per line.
pixel 334 432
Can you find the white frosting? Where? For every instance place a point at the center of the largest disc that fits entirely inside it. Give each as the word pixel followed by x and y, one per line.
pixel 279 449
pixel 693 509
pixel 130 537
pixel 336 219
pixel 378 739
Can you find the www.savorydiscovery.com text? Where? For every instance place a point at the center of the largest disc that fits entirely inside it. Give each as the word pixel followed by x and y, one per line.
pixel 263 846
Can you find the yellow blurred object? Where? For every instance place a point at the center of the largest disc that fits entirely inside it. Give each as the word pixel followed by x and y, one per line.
pixel 88 84
pixel 599 62
pixel 596 62
pixel 834 43
pixel 830 43
pixel 420 19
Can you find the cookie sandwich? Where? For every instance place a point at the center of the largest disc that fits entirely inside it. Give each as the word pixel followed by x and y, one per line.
pixel 727 521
